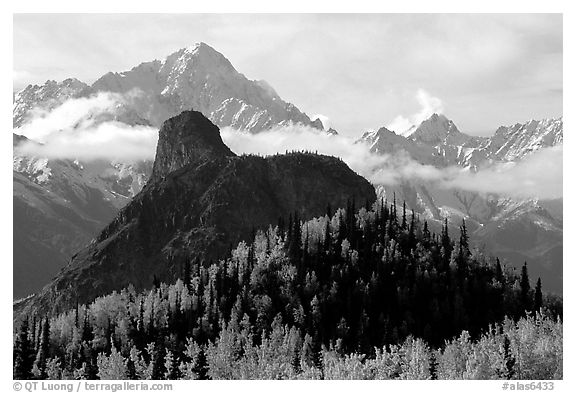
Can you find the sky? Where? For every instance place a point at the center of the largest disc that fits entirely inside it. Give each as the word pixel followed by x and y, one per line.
pixel 357 71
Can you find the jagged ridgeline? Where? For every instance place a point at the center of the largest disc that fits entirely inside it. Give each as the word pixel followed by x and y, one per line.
pixel 284 266
pixel 330 297
pixel 201 200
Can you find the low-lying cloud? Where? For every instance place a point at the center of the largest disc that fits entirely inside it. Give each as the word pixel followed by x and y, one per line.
pixel 84 129
pixel 539 175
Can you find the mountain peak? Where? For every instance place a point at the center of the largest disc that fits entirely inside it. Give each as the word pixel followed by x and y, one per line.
pixel 438 129
pixel 188 138
pixel 199 54
pixel 317 123
pixel 201 47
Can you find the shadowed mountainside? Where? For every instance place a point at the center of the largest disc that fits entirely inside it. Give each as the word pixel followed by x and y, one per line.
pixel 202 199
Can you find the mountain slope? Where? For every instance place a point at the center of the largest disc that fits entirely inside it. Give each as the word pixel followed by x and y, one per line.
pixel 45 97
pixel 202 199
pixel 59 206
pixel 196 77
pixel 202 79
pixel 518 229
pixel 439 138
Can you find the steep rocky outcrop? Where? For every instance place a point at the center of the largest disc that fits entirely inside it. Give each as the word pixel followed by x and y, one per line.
pixel 187 139
pixel 201 201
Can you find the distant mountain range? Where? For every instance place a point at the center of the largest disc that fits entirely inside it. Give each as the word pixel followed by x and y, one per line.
pixel 60 205
pixel 518 230
pixel 438 141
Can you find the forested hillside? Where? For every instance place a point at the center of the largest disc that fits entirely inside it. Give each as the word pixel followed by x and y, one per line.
pixel 371 294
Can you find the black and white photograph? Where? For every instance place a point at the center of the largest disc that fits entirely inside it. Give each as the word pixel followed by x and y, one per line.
pixel 287 196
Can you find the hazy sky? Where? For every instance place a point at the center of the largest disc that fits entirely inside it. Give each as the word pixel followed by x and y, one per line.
pixel 360 70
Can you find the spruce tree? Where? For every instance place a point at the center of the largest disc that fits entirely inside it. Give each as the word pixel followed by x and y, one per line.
pixel 43 350
pixel 327 237
pixel 433 366
pixel 426 233
pixel 446 243
pixel 499 273
pixel 131 369
pixel 404 222
pixel 295 363
pixel 187 274
pixel 525 288
pixel 23 353
pixel 509 360
pixel 201 365
pixel 538 296
pixel 464 240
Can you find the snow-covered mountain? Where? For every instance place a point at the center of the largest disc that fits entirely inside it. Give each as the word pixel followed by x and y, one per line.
pixel 438 141
pixel 45 97
pixel 519 229
pixel 197 77
pixel 61 204
pixel 201 78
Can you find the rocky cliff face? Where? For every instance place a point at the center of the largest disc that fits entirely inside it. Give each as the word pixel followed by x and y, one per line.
pixel 202 200
pixel 187 139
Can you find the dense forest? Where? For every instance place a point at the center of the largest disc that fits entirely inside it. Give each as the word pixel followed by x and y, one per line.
pixel 358 293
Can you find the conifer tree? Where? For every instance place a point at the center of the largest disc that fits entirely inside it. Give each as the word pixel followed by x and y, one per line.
pixel 295 362
pixel 43 350
pixel 464 241
pixel 327 237
pixel 201 365
pixel 426 232
pixel 509 359
pixel 157 355
pixel 33 339
pixel 446 243
pixel 433 368
pixel 23 353
pixel 499 273
pixel 525 288
pixel 404 222
pixel 538 296
pixel 131 369
pixel 187 274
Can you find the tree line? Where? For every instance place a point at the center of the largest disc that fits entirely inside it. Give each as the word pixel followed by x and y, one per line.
pixel 349 286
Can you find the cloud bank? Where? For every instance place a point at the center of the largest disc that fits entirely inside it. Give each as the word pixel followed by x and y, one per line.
pixel 86 129
pixel 539 175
